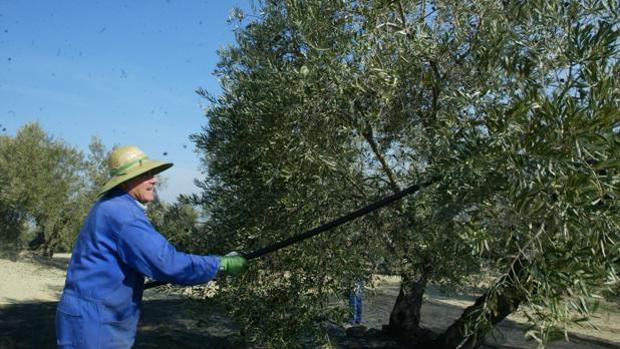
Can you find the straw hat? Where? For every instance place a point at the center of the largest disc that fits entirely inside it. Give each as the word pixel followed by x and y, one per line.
pixel 129 162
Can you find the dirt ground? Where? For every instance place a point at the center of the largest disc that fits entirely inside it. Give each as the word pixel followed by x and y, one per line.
pixel 30 289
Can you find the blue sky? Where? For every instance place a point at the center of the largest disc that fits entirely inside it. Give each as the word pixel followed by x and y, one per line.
pixel 124 71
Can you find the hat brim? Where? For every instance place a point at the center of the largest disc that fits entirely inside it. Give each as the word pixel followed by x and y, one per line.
pixel 144 167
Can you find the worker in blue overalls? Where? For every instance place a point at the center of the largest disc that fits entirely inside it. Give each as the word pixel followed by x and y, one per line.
pixel 116 248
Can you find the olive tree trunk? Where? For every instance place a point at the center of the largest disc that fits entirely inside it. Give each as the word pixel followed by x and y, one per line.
pixel 491 308
pixel 405 316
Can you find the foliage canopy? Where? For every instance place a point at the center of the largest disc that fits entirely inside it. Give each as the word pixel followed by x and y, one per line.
pixel 329 104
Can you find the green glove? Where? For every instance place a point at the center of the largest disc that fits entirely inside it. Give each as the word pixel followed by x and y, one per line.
pixel 233 264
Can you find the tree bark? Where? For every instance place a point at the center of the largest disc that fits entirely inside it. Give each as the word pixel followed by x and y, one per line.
pixel 47 250
pixel 44 244
pixel 37 241
pixel 405 316
pixel 470 329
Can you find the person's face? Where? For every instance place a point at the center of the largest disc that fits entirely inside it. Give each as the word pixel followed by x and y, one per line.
pixel 142 188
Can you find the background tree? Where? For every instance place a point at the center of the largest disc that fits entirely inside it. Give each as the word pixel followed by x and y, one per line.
pixel 13 220
pixel 180 221
pixel 93 175
pixel 47 187
pixel 329 104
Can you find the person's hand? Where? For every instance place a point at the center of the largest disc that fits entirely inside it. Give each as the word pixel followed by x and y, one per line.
pixel 233 263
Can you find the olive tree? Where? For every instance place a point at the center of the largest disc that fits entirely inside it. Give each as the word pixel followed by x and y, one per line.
pixel 327 105
pixel 180 221
pixel 47 188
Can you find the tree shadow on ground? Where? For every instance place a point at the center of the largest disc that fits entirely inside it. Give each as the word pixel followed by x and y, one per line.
pixel 165 323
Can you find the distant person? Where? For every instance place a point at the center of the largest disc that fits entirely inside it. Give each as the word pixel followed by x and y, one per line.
pixel 116 248
pixel 356 301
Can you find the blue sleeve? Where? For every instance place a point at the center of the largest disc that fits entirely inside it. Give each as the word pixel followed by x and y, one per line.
pixel 143 248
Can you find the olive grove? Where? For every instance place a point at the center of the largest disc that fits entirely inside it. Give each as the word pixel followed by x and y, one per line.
pixel 328 105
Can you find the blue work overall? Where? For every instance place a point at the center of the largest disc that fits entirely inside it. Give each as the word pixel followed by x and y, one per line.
pixel 116 248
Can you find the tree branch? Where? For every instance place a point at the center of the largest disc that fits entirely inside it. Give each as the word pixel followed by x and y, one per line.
pixel 369 137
